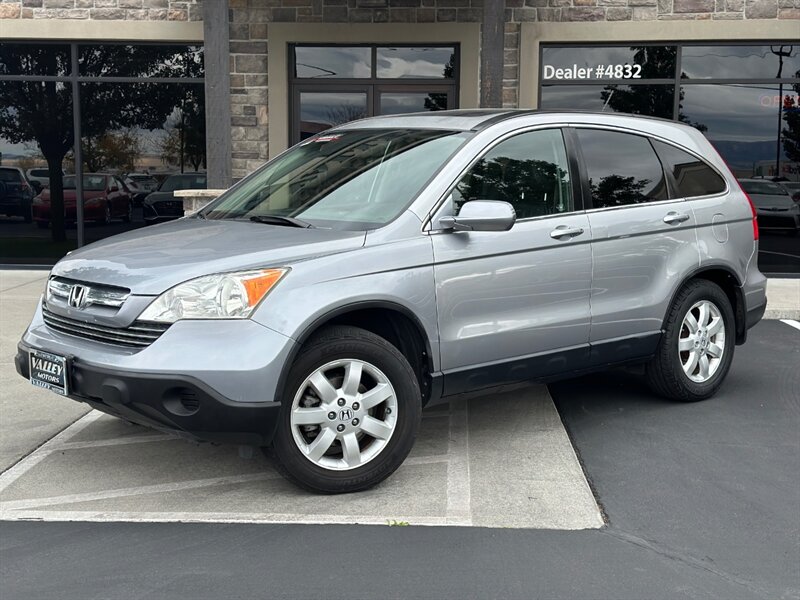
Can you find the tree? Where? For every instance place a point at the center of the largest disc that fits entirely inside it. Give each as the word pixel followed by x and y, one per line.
pixel 438 101
pixel 656 62
pixel 113 150
pixel 790 134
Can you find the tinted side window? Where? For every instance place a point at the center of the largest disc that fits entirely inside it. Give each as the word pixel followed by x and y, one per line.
pixel 529 171
pixel 622 168
pixel 692 176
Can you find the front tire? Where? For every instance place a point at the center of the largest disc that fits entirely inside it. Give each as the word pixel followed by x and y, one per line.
pixel 696 349
pixel 350 413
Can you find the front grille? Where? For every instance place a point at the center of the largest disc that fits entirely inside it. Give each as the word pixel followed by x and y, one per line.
pixel 137 335
pixel 169 206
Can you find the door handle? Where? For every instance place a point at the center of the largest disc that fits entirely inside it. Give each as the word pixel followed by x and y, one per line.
pixel 563 231
pixel 673 218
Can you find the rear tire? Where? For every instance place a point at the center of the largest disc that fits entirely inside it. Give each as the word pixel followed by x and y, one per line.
pixel 696 349
pixel 372 393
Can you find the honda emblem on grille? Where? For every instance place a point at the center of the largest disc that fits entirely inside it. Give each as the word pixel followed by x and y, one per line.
pixel 78 296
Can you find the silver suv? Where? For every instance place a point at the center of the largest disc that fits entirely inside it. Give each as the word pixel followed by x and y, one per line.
pixel 392 263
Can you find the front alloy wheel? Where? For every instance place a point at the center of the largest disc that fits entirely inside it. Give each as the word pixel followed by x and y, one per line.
pixel 351 412
pixel 344 414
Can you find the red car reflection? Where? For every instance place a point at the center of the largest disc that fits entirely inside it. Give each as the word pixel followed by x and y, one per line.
pixel 104 198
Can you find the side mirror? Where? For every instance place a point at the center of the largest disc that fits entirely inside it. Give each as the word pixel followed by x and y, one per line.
pixel 482 215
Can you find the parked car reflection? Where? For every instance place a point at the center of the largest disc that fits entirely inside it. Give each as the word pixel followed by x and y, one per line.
pixel 140 185
pixel 774 206
pixel 16 193
pixel 104 198
pixel 162 205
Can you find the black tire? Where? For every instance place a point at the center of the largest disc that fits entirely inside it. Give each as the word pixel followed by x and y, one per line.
pixel 27 213
pixel 342 342
pixel 664 372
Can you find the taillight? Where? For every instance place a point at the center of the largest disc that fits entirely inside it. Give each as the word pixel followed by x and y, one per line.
pixel 746 195
pixel 753 210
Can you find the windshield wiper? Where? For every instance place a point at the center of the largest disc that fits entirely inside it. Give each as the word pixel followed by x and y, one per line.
pixel 280 220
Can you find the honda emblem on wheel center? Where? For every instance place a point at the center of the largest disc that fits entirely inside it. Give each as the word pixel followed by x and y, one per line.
pixel 345 415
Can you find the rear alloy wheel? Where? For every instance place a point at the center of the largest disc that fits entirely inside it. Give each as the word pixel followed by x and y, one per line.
pixel 696 349
pixel 351 415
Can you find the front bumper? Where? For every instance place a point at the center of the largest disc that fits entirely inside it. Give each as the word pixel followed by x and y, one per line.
pixel 214 381
pixel 175 404
pixel 165 210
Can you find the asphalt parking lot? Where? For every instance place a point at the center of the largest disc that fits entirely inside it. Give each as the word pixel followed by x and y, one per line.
pixel 702 502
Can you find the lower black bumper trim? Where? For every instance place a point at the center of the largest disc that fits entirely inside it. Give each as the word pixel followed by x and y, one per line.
pixel 176 404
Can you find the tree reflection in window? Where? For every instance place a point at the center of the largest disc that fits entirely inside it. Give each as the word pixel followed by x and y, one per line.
pixel 622 168
pixel 529 171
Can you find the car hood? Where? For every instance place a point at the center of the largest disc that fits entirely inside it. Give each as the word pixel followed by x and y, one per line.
pixel 151 260
pixel 158 197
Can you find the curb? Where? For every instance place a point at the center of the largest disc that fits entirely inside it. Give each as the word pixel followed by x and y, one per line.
pixel 782 313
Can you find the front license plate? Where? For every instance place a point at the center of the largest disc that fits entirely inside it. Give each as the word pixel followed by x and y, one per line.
pixel 49 371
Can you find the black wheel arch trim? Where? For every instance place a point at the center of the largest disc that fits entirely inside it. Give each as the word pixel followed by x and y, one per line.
pixel 739 310
pixel 344 309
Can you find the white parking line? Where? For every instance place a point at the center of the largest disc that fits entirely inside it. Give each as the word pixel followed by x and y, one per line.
pixel 159 488
pixel 791 323
pixel 134 439
pixel 229 517
pixel 34 458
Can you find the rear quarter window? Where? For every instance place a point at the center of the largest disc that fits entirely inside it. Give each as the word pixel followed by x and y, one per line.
pixel 622 168
pixel 692 176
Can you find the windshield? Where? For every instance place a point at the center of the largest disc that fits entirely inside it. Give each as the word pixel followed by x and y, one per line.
pixel 91 183
pixel 358 179
pixel 40 173
pixel 183 182
pixel 763 187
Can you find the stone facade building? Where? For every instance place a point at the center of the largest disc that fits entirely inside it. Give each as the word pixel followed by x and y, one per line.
pixel 249 78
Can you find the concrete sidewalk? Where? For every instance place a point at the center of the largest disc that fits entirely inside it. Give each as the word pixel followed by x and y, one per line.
pixel 783 299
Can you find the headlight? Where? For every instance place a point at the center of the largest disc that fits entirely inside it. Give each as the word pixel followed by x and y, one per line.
pixel 221 296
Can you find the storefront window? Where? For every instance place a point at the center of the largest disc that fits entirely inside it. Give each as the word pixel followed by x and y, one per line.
pixel 651 62
pixel 330 62
pixel 380 80
pixel 38 59
pixel 651 100
pixel 739 62
pixel 720 90
pixel 135 131
pixel 415 63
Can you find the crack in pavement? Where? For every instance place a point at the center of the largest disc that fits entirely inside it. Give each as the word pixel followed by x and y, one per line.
pixel 687 560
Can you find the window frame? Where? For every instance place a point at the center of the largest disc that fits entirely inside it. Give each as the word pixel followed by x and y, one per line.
pixel 672 182
pixel 572 164
pixel 584 172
